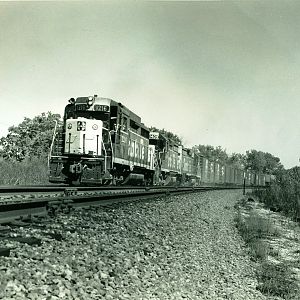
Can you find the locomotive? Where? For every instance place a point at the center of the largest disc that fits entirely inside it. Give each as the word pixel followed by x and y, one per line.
pixel 102 142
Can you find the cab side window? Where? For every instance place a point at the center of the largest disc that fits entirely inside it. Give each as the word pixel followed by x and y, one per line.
pixel 124 124
pixel 134 126
pixel 113 118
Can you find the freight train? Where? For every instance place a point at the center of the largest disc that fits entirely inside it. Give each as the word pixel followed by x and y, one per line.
pixel 102 142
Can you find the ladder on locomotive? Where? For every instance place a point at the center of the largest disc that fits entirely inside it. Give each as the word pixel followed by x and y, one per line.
pixel 57 147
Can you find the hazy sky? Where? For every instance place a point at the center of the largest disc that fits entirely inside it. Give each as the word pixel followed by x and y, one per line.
pixel 219 73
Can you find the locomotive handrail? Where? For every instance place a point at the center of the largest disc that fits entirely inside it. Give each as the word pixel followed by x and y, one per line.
pixel 52 143
pixel 112 148
pixel 105 154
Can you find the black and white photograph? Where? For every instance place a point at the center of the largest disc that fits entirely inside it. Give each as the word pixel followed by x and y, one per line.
pixel 150 150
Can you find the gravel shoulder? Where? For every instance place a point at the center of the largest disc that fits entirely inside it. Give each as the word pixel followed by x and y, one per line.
pixel 177 247
pixel 274 242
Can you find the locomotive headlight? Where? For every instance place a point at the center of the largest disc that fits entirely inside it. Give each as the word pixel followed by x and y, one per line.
pixel 90 101
pixel 69 126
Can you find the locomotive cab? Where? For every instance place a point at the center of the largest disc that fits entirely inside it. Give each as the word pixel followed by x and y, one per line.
pixel 100 142
pixel 84 143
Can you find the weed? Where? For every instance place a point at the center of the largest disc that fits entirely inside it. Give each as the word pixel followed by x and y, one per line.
pixel 254 227
pixel 277 280
pixel 259 249
pixel 252 230
pixel 29 171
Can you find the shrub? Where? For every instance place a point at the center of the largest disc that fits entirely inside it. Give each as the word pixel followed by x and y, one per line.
pixel 283 194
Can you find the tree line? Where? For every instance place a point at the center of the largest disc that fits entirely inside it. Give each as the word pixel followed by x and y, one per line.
pixel 33 137
pixel 257 161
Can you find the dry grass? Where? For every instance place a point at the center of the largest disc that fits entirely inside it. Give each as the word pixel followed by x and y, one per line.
pixel 255 227
pixel 31 171
pixel 275 280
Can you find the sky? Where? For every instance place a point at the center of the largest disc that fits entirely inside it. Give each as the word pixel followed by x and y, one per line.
pixel 219 73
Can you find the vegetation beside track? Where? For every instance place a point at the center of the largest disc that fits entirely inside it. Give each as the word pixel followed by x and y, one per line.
pixel 29 171
pixel 283 194
pixel 267 242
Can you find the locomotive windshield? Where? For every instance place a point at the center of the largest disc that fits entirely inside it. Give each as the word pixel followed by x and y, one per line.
pixel 92 115
pixel 97 115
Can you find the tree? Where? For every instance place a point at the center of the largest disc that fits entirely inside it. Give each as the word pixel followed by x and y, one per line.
pixel 212 153
pixel 31 138
pixel 255 160
pixel 262 162
pixel 273 164
pixel 172 136
pixel 237 160
pixel 220 154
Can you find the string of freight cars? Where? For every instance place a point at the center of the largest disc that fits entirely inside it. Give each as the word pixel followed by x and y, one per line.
pixel 102 142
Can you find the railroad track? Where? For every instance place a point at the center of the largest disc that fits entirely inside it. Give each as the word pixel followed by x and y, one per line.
pixel 30 212
pixel 20 203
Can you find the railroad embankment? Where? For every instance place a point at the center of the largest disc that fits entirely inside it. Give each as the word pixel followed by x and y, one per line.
pixel 177 247
pixel 273 243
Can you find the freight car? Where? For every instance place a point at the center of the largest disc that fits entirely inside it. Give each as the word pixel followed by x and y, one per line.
pixel 103 142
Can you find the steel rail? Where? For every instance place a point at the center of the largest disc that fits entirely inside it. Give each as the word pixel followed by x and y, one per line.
pixel 24 208
pixel 61 188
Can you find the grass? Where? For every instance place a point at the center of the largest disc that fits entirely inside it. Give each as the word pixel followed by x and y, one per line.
pixel 275 279
pixel 30 171
pixel 253 229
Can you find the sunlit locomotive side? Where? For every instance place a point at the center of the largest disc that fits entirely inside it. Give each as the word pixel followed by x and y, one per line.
pixel 101 142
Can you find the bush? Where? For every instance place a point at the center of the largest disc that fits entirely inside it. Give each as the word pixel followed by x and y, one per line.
pixel 283 194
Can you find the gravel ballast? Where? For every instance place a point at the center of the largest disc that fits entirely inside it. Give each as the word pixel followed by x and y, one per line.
pixel 177 247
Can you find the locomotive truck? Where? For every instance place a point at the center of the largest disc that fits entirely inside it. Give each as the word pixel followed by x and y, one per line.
pixel 102 142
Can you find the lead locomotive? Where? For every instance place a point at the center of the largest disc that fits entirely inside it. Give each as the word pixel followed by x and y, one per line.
pixel 103 142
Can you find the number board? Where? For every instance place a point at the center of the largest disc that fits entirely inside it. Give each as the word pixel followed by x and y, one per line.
pixel 81 107
pixel 104 108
